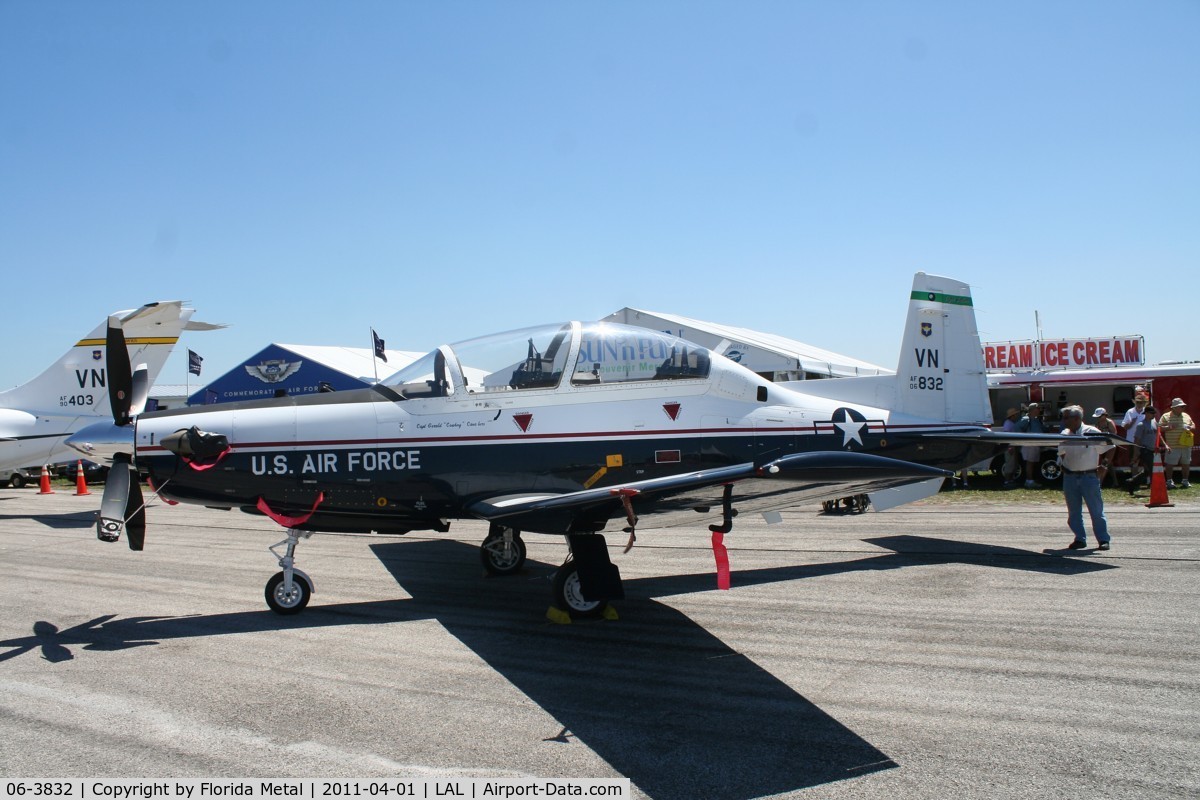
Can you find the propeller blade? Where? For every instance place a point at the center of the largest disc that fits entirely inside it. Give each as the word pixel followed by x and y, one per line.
pixel 135 513
pixel 141 390
pixel 120 374
pixel 115 501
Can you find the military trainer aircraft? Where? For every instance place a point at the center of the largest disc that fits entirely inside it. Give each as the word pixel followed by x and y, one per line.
pixel 560 430
pixel 37 417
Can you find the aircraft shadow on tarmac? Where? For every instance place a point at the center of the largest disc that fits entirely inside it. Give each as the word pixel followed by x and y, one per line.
pixel 655 695
pixel 74 519
pixel 906 551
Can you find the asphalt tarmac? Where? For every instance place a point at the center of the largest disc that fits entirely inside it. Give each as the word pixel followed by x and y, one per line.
pixel 929 651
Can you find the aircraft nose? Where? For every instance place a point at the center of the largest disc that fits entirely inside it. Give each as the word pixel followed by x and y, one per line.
pixel 100 441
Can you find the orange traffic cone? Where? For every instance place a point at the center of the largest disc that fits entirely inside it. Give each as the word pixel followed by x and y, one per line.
pixel 45 482
pixel 80 481
pixel 1158 482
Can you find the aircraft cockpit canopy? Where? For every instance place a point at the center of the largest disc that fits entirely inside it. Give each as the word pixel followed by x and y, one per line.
pixel 537 358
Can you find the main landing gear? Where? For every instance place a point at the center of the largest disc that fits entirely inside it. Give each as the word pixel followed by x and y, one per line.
pixel 502 551
pixel 582 586
pixel 289 591
pixel 586 581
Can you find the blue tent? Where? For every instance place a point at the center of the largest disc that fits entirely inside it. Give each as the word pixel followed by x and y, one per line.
pixel 280 369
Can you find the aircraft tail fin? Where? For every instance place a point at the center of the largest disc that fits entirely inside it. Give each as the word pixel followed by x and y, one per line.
pixel 940 374
pixel 77 384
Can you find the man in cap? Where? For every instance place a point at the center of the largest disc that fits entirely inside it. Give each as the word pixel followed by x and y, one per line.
pixel 1031 423
pixel 1081 483
pixel 1105 424
pixel 1177 425
pixel 1140 461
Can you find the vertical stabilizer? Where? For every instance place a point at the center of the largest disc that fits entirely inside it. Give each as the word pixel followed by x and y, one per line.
pixel 940 374
pixel 77 384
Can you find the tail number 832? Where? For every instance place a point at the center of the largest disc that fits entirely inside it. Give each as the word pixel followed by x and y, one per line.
pixel 926 384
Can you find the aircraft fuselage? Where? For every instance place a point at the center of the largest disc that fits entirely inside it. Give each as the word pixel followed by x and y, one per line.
pixel 385 465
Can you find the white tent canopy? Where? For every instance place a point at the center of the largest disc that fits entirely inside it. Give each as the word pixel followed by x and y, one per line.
pixel 776 357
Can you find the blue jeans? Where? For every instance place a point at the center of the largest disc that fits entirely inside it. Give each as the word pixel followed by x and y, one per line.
pixel 1080 489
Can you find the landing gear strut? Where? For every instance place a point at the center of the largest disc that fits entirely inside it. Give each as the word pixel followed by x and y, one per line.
pixel 502 551
pixel 289 591
pixel 585 583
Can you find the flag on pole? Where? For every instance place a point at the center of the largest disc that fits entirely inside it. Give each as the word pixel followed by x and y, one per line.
pixel 378 345
pixel 194 361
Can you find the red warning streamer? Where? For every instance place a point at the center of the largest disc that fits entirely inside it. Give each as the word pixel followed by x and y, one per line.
pixel 154 489
pixel 722 556
pixel 203 467
pixel 290 522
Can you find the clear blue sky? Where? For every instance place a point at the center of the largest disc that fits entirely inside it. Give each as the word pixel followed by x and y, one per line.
pixel 439 170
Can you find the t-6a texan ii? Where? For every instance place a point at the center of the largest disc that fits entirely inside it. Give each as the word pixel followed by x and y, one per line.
pixel 563 430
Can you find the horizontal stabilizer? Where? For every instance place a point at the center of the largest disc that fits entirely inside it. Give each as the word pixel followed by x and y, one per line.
pixel 885 499
pixel 197 325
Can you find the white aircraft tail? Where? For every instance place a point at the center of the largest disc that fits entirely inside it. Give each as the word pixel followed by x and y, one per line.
pixel 940 375
pixel 77 384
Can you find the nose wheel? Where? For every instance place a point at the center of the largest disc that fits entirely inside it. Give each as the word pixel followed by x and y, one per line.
pixel 283 600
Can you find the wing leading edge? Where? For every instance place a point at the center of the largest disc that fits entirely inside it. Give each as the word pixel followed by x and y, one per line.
pixel 692 497
pixel 984 436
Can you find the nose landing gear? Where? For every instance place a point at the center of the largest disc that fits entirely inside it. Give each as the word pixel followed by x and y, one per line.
pixel 289 591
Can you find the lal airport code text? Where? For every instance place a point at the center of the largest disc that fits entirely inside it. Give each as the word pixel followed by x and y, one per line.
pixel 152 789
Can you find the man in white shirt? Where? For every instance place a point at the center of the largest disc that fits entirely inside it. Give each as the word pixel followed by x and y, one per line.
pixel 1081 484
pixel 1139 464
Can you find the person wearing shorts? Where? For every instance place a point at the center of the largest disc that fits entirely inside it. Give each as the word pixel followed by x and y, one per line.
pixel 1175 425
pixel 1031 423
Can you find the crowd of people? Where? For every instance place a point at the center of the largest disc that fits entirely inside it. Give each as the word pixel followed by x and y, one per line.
pixel 1084 467
pixel 1171 433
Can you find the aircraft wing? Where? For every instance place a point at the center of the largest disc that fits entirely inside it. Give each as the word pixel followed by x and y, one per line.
pixel 1001 438
pixel 692 497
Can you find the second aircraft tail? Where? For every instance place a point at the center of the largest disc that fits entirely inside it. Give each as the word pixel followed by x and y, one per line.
pixel 77 384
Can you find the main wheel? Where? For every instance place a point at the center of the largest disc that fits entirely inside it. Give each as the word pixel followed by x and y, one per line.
pixel 1050 469
pixel 500 557
pixel 568 594
pixel 16 481
pixel 284 602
